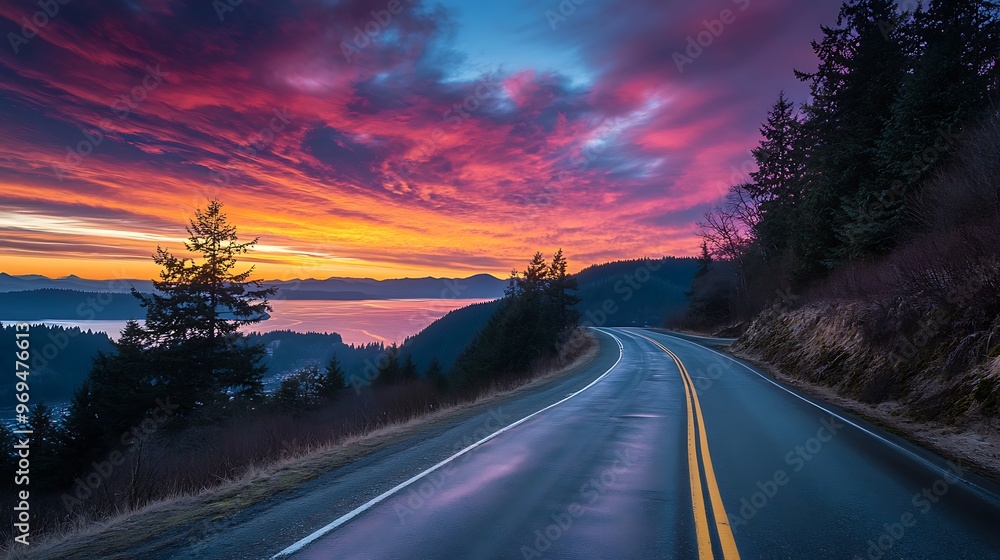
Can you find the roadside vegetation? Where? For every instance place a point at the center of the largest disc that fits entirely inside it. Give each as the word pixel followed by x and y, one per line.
pixel 863 253
pixel 852 176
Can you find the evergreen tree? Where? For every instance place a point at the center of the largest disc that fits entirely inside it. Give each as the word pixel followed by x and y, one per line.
pixel 122 388
pixel 531 321
pixel 8 459
pixel 709 297
pixel 408 372
pixel 560 286
pixel 82 437
pixel 954 49
pixel 777 182
pixel 193 317
pixel 389 372
pixel 704 261
pixel 535 281
pixel 45 467
pixel 435 375
pixel 308 388
pixel 334 382
pixel 513 288
pixel 862 65
pixel 289 395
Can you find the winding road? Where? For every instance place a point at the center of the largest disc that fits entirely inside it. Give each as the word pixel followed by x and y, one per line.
pixel 661 447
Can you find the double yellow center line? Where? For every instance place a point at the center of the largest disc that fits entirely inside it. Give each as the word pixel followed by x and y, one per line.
pixel 696 465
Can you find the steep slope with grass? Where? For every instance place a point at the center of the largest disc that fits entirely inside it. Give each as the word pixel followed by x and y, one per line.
pixel 912 339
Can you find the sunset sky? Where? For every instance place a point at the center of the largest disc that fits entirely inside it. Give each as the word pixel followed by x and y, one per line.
pixel 462 138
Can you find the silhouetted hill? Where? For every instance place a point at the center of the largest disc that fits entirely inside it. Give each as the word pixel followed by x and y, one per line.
pixel 60 361
pixel 289 351
pixel 19 283
pixel 449 335
pixel 642 291
pixel 50 303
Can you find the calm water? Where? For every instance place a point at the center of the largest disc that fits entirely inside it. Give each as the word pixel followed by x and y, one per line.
pixel 358 322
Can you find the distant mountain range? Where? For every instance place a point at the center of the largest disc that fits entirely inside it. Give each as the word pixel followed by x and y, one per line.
pixel 479 286
pixel 9 283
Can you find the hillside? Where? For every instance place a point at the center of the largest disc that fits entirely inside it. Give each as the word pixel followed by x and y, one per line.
pixel 916 333
pixel 448 336
pixel 65 304
pixel 290 351
pixel 640 291
pixel 644 291
pixel 59 363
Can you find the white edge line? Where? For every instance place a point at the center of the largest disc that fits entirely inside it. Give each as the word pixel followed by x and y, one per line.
pixel 947 472
pixel 367 505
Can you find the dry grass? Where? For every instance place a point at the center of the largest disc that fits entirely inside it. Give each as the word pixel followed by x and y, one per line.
pixel 975 444
pixel 994 367
pixel 839 353
pixel 165 521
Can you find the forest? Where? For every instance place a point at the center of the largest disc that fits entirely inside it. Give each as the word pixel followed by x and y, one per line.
pixel 893 157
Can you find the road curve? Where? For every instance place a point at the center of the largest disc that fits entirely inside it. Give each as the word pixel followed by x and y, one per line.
pixel 675 451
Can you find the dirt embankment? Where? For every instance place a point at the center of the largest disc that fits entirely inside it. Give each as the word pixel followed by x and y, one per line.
pixel 922 373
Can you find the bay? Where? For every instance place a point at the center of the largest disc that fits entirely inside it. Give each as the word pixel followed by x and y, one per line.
pixel 357 321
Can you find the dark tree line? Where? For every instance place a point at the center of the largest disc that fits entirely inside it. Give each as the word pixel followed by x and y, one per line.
pixel 188 362
pixel 535 316
pixel 836 178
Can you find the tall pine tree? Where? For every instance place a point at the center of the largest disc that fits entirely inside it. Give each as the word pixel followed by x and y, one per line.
pixel 193 317
pixel 777 182
pixel 862 64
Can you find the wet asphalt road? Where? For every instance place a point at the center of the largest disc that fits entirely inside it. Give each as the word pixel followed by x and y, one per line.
pixel 666 449
pixel 674 452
